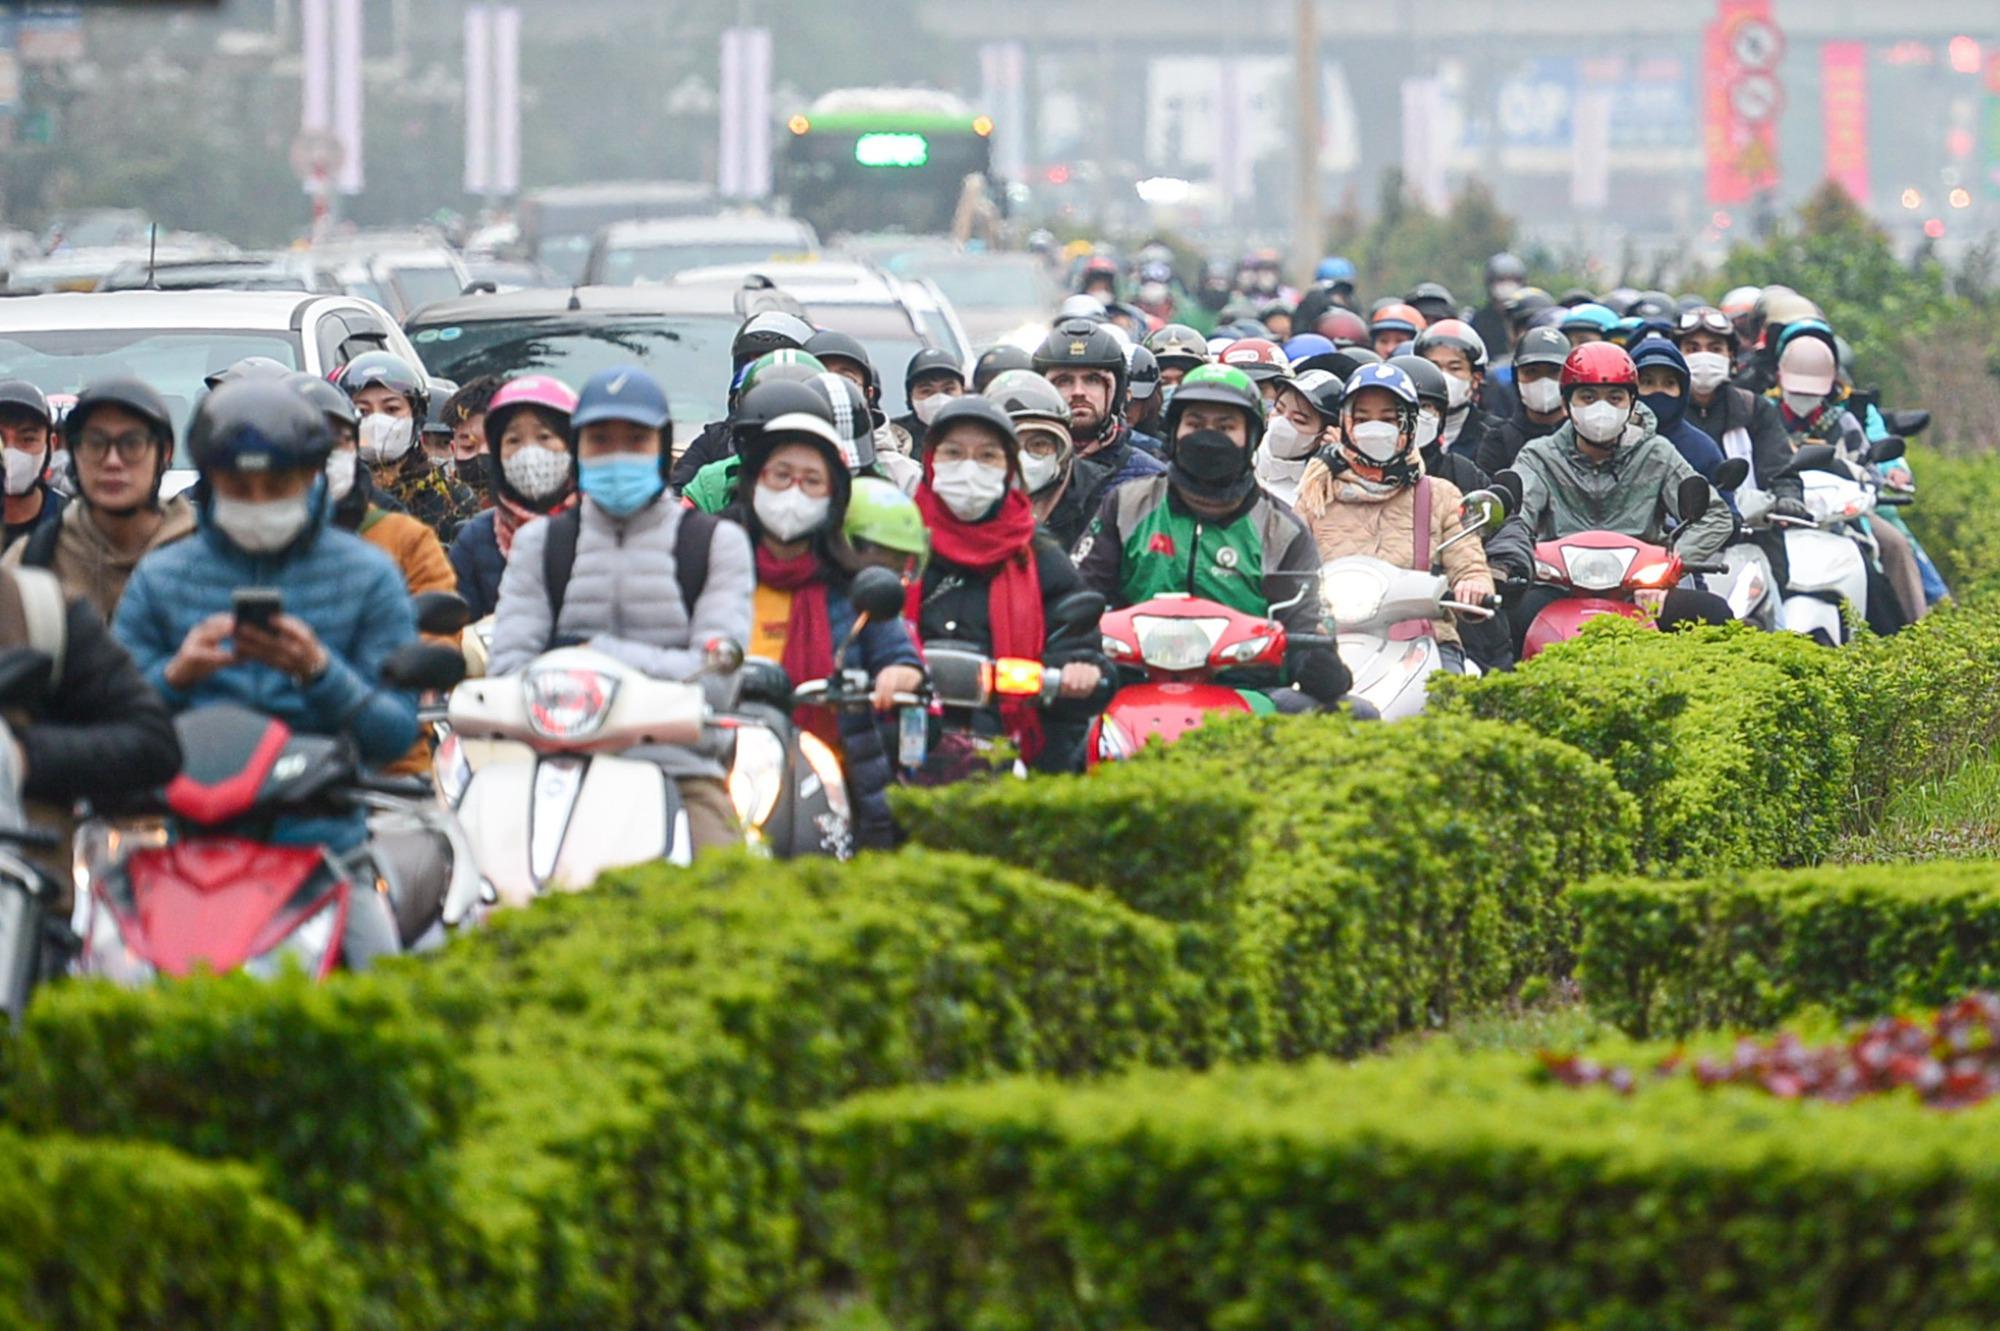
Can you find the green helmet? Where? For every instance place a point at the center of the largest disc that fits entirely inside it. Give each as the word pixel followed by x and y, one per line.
pixel 882 527
pixel 1223 384
pixel 799 366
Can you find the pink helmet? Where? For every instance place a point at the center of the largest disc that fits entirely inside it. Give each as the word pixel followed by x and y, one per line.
pixel 529 390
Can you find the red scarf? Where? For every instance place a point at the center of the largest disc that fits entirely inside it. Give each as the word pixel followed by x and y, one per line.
pixel 1000 548
pixel 509 517
pixel 809 636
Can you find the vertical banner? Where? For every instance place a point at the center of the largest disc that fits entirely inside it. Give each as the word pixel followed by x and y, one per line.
pixel 478 99
pixel 316 61
pixel 346 74
pixel 492 99
pixel 1003 71
pixel 1843 93
pixel 744 163
pixel 1590 149
pixel 507 99
pixel 1741 100
pixel 1232 165
pixel 1426 129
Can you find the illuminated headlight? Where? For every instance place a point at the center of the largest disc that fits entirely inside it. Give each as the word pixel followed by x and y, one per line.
pixel 1118 649
pixel 1176 644
pixel 1248 651
pixel 308 947
pixel 757 777
pixel 1353 595
pixel 451 770
pixel 568 704
pixel 107 954
pixel 1597 570
pixel 826 766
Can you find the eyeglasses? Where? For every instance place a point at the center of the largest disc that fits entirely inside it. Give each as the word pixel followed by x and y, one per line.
pixel 132 446
pixel 783 477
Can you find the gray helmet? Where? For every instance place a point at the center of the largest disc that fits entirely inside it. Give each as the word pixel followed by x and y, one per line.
pixel 1026 396
pixel 258 425
pixel 995 361
pixel 1542 346
pixel 21 396
pixel 975 408
pixel 250 367
pixel 1428 378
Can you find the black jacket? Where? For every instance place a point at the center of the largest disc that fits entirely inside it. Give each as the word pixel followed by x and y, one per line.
pixel 1504 442
pixel 1510 554
pixel 710 445
pixel 103 732
pixel 53 503
pixel 1073 511
pixel 1733 408
pixel 1490 322
pixel 1472 435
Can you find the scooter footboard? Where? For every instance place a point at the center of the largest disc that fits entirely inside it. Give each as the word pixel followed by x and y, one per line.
pixel 560 823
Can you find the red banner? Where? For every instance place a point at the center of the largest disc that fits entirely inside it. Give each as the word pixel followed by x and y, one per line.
pixel 1843 95
pixel 1741 100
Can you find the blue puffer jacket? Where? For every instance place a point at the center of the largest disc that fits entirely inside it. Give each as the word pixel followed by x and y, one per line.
pixel 349 592
pixel 476 559
pixel 866 739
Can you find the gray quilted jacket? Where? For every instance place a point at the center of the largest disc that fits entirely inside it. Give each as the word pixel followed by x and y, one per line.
pixel 1633 492
pixel 624 600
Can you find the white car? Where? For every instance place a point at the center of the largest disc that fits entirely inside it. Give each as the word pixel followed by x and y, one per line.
pixel 656 250
pixel 174 340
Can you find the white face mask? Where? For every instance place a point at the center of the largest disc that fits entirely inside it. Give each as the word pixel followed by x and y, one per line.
pixel 341 465
pixel 1504 289
pixel 1802 405
pixel 1544 395
pixel 1038 474
pixel 1457 393
pixel 1377 441
pixel 927 408
pixel 1427 429
pixel 790 513
pixel 1707 370
pixel 1600 422
pixel 1286 442
pixel 386 438
pixel 24 469
pixel 536 473
pixel 261 528
pixel 968 488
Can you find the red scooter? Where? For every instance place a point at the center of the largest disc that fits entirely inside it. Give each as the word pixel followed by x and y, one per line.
pixel 1182 642
pixel 1602 571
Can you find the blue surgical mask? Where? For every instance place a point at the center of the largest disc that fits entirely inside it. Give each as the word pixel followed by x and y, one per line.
pixel 621 485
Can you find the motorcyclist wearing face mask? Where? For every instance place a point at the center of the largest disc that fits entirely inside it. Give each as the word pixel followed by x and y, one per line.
pixel 795 509
pixel 1663 388
pixel 120 442
pixel 1505 276
pixel 434 435
pixel 264 515
pixel 25 426
pixel 1206 528
pixel 528 440
pixel 1086 363
pixel 1055 478
pixel 1143 397
pixel 1294 429
pixel 933 378
pixel 394 400
pixel 843 354
pixel 720 484
pixel 1744 425
pixel 1538 407
pixel 622 592
pixel 1370 494
pixel 762 333
pixel 1608 469
pixel 994 578
pixel 465 412
pixel 1456 350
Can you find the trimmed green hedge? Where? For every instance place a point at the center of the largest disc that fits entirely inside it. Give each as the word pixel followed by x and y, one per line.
pixel 1953 517
pixel 119 1236
pixel 1441 1190
pixel 1750 950
pixel 1395 874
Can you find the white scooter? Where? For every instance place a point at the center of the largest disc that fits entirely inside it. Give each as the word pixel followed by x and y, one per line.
pixel 581 804
pixel 1382 616
pixel 1825 563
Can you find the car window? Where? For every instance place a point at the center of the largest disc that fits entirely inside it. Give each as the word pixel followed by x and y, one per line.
pixel 657 263
pixel 365 333
pixel 422 284
pixel 173 360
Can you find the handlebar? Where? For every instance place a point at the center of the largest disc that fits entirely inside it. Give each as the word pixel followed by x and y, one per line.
pixel 1704 568
pixel 1468 609
pixel 35 838
pixel 1892 499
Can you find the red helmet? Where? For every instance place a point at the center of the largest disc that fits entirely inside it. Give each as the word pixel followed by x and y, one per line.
pixel 1257 358
pixel 1343 328
pixel 1397 317
pixel 1603 363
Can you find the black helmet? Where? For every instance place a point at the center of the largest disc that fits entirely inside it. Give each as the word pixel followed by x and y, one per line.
pixel 935 360
pixel 1321 388
pixel 828 342
pixel 21 396
pixel 780 409
pixel 773 330
pixel 1178 346
pixel 1542 346
pixel 258 425
pixel 332 403
pixel 995 360
pixel 972 407
pixel 1142 373
pixel 1078 344
pixel 385 369
pixel 1345 361
pixel 250 367
pixel 1504 267
pixel 440 392
pixel 1433 300
pixel 140 400
pixel 847 408
pixel 1428 378
pixel 1575 296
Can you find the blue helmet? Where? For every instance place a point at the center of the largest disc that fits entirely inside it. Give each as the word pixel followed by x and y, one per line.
pixel 1305 345
pixel 1393 378
pixel 622 393
pixel 1334 268
pixel 1591 315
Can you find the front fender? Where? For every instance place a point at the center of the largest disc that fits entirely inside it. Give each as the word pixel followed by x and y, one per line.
pixel 1564 619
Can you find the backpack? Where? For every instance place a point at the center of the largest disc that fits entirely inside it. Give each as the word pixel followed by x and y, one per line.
pixel 35 613
pixel 691 545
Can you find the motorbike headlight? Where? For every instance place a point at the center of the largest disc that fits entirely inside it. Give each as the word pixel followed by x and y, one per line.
pixel 309 946
pixel 1112 745
pixel 1353 595
pixel 451 770
pixel 1173 643
pixel 568 704
pixel 1118 649
pixel 1597 570
pixel 826 766
pixel 108 955
pixel 1654 574
pixel 757 777
pixel 1244 652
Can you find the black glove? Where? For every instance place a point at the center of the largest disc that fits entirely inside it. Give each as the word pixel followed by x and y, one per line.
pixel 1793 510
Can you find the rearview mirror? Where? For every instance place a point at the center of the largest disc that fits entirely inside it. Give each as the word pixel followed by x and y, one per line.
pixel 1693 500
pixel 721 655
pixel 1907 423
pixel 1887 450
pixel 1508 483
pixel 441 614
pixel 1732 473
pixel 878 594
pixel 424 667
pixel 1078 612
pixel 1812 457
pixel 765 681
pixel 1482 510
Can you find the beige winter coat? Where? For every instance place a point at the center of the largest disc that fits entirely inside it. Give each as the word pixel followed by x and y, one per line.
pixel 1346 519
pixel 87 565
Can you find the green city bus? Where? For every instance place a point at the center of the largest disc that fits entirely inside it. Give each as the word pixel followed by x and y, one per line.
pixel 883 159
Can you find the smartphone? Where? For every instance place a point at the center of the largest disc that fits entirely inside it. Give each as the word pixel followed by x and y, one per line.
pixel 257 606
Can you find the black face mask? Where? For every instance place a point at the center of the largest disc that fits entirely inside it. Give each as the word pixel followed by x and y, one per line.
pixel 1210 465
pixel 476 471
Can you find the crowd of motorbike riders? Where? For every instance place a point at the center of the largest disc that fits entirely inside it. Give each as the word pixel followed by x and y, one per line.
pixel 1130 455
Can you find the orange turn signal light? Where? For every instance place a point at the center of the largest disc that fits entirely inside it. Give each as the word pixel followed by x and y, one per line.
pixel 1017 677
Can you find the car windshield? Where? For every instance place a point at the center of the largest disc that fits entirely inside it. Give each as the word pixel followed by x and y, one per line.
pixel 886 333
pixel 657 263
pixel 975 283
pixel 688 353
pixel 174 361
pixel 422 285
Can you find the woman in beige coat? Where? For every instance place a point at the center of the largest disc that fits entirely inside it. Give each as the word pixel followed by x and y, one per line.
pixel 1364 496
